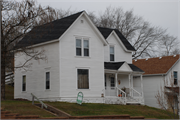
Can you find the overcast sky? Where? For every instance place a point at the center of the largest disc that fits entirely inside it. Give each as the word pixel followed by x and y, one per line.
pixel 163 13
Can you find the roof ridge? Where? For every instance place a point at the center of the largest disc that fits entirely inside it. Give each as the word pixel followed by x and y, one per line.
pixel 158 57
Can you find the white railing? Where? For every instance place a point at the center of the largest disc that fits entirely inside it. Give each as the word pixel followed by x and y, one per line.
pixel 121 93
pixel 42 104
pixel 136 95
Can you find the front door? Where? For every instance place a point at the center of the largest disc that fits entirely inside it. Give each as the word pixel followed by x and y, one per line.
pixel 110 85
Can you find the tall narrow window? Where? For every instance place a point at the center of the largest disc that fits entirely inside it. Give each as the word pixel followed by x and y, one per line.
pixel 111 53
pixel 24 83
pixel 47 80
pixel 175 78
pixel 112 83
pixel 78 47
pixel 83 78
pixel 86 48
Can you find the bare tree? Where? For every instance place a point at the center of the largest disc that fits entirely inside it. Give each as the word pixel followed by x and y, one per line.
pixel 18 18
pixel 140 33
pixel 169 45
pixel 167 98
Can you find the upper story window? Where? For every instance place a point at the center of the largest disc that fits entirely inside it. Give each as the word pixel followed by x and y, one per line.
pixel 82 47
pixel 24 83
pixel 175 78
pixel 78 47
pixel 47 80
pixel 111 53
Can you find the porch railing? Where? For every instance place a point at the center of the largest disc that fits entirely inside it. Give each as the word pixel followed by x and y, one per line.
pixel 135 92
pixel 121 93
pixel 136 95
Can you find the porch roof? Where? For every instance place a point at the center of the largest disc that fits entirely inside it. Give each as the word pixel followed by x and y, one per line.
pixel 117 65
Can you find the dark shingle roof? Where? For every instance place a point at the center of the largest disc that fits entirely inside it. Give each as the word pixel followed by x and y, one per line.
pixel 55 29
pixel 135 68
pixel 117 65
pixel 107 31
pixel 113 65
pixel 49 31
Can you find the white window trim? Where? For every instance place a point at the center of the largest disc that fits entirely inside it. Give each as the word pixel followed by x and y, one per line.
pixel 88 68
pixel 82 46
pixel 111 45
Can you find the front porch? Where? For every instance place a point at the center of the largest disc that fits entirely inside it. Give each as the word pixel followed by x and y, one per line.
pixel 120 86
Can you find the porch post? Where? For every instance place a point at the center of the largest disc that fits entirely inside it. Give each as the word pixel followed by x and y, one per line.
pixel 116 83
pixel 116 79
pixel 142 86
pixel 130 84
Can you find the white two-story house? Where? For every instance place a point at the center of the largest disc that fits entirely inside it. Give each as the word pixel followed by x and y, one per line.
pixel 80 58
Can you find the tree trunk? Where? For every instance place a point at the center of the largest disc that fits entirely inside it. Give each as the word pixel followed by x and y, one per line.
pixel 2 70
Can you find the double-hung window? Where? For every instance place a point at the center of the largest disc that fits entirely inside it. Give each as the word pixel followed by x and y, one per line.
pixel 47 80
pixel 111 53
pixel 83 78
pixel 82 47
pixel 175 78
pixel 24 83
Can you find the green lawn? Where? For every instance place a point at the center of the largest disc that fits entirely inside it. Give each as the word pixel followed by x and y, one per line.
pixel 26 108
pixel 21 107
pixel 106 109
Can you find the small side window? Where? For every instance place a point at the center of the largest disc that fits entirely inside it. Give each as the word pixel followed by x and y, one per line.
pixel 175 78
pixel 24 83
pixel 47 80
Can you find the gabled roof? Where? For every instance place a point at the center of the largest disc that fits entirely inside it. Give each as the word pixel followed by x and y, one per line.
pixel 54 30
pixel 107 31
pixel 117 65
pixel 49 31
pixel 159 65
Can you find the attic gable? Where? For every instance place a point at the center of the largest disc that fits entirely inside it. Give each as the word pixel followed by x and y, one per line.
pixel 125 68
pixel 106 32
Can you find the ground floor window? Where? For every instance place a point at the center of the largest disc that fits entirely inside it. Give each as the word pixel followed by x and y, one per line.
pixel 24 83
pixel 47 80
pixel 83 78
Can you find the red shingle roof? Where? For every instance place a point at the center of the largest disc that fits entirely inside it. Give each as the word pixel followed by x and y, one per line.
pixel 158 65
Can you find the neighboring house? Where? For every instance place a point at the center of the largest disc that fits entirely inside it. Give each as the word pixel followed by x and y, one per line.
pixel 81 57
pixel 159 72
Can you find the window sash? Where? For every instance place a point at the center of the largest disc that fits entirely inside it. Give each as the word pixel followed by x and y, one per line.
pixel 175 78
pixel 111 57
pixel 111 53
pixel 24 83
pixel 112 82
pixel 83 78
pixel 47 80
